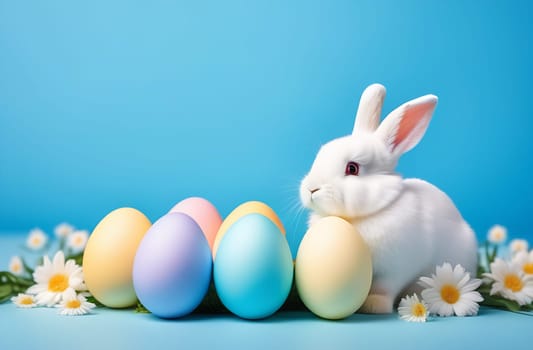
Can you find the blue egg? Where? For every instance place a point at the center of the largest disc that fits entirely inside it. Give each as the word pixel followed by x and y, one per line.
pixel 172 266
pixel 253 269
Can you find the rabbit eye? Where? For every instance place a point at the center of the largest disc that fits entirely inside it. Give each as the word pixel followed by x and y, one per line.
pixel 352 168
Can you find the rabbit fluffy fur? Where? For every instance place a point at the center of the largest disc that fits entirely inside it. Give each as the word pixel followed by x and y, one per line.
pixel 410 225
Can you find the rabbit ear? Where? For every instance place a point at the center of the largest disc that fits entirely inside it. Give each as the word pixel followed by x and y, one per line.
pixel 404 127
pixel 369 111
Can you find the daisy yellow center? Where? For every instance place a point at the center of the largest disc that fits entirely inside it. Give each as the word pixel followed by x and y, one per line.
pixel 78 240
pixel 73 304
pixel 449 293
pixel 513 282
pixel 518 247
pixel 16 268
pixel 26 301
pixel 418 310
pixel 36 240
pixel 528 268
pixel 58 283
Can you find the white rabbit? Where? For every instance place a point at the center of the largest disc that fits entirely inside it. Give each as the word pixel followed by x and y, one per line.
pixel 410 225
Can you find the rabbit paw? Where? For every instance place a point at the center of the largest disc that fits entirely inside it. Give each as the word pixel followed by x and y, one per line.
pixel 377 304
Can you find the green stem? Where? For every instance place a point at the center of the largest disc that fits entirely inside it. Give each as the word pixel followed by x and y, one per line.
pixel 62 243
pixel 27 268
pixel 494 254
pixel 487 255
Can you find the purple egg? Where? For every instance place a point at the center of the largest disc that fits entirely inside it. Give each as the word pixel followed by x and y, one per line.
pixel 172 267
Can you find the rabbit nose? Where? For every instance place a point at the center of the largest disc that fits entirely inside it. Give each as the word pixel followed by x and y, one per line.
pixel 314 190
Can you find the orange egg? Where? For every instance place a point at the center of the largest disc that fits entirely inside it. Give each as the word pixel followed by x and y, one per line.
pixel 244 209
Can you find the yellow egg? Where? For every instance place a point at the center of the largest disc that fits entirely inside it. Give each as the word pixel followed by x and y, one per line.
pixel 244 209
pixel 333 269
pixel 109 254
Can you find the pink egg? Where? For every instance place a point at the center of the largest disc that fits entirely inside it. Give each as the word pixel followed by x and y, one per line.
pixel 204 213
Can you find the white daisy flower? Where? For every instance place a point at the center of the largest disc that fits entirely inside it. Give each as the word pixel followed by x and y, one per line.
pixel 497 234
pixel 63 230
pixel 524 261
pixel 511 282
pixel 36 239
pixel 56 280
pixel 413 309
pixel 75 305
pixel 518 245
pixel 24 301
pixel 15 266
pixel 451 291
pixel 77 240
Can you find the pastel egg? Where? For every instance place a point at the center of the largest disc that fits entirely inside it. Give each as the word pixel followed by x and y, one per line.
pixel 242 210
pixel 253 271
pixel 109 254
pixel 172 268
pixel 333 269
pixel 204 213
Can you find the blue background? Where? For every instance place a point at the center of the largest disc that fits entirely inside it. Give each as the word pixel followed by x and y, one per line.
pixel 133 103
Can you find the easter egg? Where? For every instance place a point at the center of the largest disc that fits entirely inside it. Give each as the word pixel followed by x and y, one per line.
pixel 109 254
pixel 242 210
pixel 253 270
pixel 204 213
pixel 172 267
pixel 333 269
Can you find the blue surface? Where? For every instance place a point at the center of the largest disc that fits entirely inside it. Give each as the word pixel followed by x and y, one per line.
pixel 42 328
pixel 112 329
pixel 124 103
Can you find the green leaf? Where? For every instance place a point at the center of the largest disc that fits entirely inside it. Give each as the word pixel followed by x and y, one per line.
pixel 11 284
pixel 6 291
pixel 3 277
pixel 527 307
pixel 5 298
pixel 92 299
pixel 141 309
pixel 78 258
pixel 23 281
pixel 500 302
pixel 11 278
pixel 484 289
